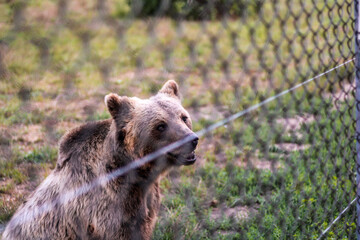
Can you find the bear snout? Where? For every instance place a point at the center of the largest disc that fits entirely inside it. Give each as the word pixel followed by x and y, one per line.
pixel 185 155
pixel 190 158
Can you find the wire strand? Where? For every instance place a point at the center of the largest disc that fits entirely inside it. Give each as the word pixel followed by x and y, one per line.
pixel 336 219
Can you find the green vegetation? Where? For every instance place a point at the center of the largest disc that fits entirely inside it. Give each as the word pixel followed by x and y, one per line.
pixel 296 200
pixel 9 170
pixel 264 176
pixel 45 154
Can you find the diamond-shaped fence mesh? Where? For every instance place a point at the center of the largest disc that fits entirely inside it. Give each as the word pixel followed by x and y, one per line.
pixel 282 165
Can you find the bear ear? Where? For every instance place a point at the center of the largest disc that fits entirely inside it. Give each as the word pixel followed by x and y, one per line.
pixel 118 106
pixel 171 88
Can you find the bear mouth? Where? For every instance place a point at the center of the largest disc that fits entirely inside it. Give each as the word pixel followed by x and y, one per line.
pixel 184 160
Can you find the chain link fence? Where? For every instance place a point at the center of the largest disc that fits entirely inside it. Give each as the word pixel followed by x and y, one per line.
pixel 282 165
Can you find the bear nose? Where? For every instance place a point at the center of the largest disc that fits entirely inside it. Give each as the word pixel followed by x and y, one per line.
pixel 195 142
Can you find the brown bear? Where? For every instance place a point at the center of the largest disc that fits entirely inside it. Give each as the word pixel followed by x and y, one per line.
pixel 125 207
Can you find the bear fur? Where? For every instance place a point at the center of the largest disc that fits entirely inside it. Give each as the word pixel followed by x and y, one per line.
pixel 125 207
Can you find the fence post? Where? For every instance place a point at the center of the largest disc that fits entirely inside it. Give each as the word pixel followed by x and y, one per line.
pixel 357 82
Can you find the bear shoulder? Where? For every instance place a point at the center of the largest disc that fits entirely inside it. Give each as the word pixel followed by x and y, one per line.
pixel 86 135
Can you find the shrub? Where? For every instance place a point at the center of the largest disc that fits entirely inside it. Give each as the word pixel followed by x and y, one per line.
pixel 196 9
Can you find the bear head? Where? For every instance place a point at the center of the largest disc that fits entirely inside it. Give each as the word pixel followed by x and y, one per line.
pixel 143 126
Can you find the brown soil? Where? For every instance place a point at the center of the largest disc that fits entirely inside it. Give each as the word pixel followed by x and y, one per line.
pixel 289 147
pixel 37 14
pixel 238 213
pixel 343 93
pixel 151 73
pixel 208 113
pixel 259 164
pixel 227 234
pixel 295 123
pixel 30 134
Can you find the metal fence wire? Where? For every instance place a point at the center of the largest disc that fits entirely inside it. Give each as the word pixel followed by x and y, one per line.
pixel 270 87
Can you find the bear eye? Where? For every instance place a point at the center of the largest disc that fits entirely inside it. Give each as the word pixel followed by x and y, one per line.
pixel 184 118
pixel 161 127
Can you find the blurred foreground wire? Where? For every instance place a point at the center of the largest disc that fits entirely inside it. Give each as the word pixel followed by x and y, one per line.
pixel 286 170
